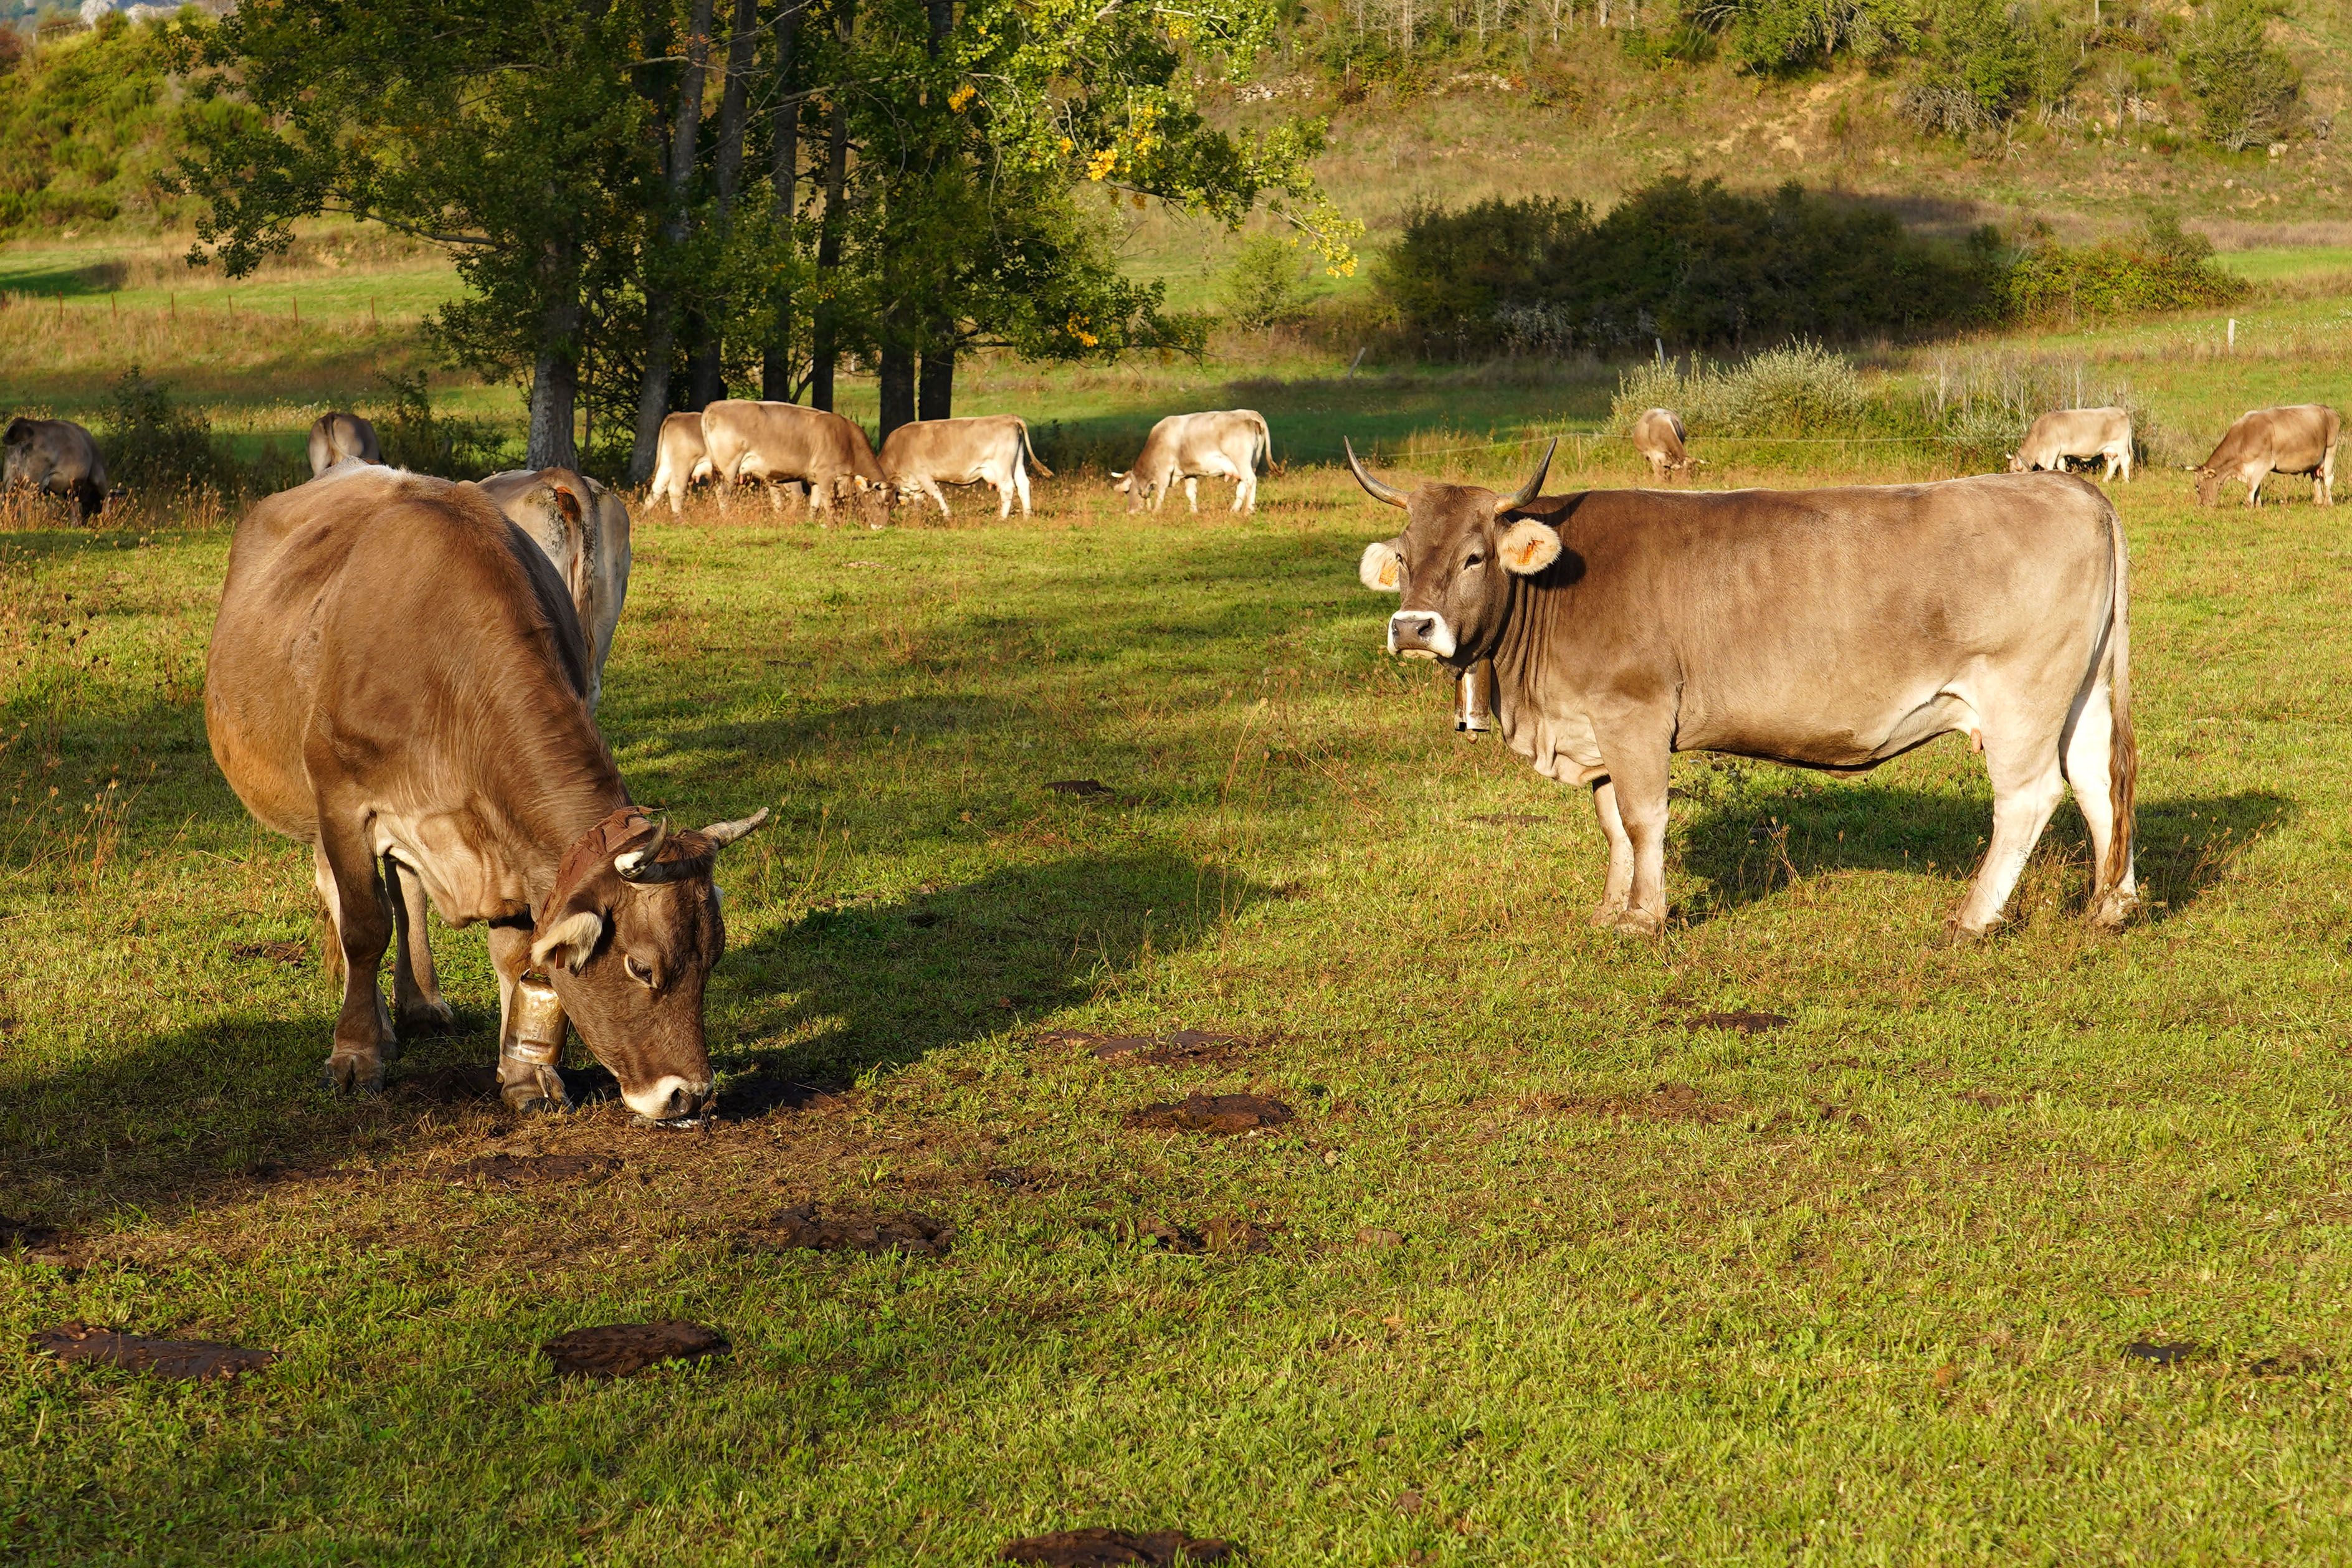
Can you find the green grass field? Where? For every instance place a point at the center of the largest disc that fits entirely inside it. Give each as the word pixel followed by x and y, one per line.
pixel 1538 1274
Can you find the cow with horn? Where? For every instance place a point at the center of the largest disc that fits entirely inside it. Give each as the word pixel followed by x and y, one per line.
pixel 398 678
pixel 1827 629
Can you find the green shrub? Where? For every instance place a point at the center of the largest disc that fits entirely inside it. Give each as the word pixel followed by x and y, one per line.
pixel 2055 282
pixel 1267 283
pixel 413 436
pixel 1799 389
pixel 153 443
pixel 2245 88
pixel 1781 35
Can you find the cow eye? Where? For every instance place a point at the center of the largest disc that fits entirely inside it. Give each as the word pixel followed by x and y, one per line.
pixel 640 973
pixel 1473 559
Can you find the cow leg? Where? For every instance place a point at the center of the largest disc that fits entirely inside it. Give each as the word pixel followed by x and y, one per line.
pixel 361 911
pixel 2322 479
pixel 2027 784
pixel 2089 759
pixel 1193 495
pixel 1638 755
pixel 1020 485
pixel 2254 486
pixel 1619 887
pixel 416 986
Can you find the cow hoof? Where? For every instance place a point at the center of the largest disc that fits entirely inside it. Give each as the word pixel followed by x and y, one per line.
pixel 2113 912
pixel 1635 922
pixel 353 1075
pixel 1956 935
pixel 423 1018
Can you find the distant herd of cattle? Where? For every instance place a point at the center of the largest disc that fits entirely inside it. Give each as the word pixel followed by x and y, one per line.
pixel 404 673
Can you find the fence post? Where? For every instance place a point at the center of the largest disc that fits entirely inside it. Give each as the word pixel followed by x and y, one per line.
pixel 2234 334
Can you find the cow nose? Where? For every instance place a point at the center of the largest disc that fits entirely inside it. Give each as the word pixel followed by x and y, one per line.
pixel 1415 629
pixel 675 1100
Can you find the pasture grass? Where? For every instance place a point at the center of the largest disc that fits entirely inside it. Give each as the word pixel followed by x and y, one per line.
pixel 1539 1274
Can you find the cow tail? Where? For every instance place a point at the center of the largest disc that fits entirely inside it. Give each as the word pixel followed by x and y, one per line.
pixel 1264 456
pixel 1031 452
pixel 2123 747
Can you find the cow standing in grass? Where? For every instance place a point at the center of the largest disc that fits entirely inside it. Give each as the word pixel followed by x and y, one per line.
pixel 1830 629
pixel 397 679
pixel 336 437
pixel 1229 444
pixel 918 457
pixel 58 457
pixel 781 442
pixel 2068 433
pixel 2300 439
pixel 1658 437
pixel 681 460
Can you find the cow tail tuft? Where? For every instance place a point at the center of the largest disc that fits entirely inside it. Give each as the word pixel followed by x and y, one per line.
pixel 1031 452
pixel 2123 766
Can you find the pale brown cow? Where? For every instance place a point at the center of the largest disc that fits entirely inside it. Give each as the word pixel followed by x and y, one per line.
pixel 681 460
pixel 1224 443
pixel 584 529
pixel 1830 629
pixel 397 676
pixel 780 442
pixel 2299 439
pixel 1658 437
pixel 920 457
pixel 57 457
pixel 2071 432
pixel 337 436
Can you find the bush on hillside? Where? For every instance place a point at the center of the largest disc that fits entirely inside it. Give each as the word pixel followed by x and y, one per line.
pixel 1266 284
pixel 153 445
pixel 1687 262
pixel 2246 89
pixel 1986 61
pixel 2164 268
pixel 1783 34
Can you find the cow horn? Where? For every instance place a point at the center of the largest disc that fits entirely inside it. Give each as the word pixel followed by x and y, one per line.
pixel 1373 487
pixel 637 865
pixel 725 833
pixel 1533 488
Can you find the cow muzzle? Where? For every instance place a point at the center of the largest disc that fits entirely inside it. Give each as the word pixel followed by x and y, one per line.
pixel 1420 634
pixel 672 1101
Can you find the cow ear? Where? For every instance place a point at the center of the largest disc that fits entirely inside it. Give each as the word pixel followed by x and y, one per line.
pixel 1382 567
pixel 1526 548
pixel 570 941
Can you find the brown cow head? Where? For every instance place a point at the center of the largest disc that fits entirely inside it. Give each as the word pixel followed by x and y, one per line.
pixel 1450 564
pixel 628 938
pixel 2209 485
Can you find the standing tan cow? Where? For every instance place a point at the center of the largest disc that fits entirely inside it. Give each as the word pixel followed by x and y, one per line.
pixel 584 529
pixel 681 460
pixel 336 436
pixel 2071 432
pixel 782 441
pixel 397 677
pixel 2300 439
pixel 1658 436
pixel 58 457
pixel 1831 629
pixel 1229 444
pixel 917 458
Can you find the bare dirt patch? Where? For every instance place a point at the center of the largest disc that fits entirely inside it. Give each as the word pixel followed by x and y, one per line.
pixel 296 953
pixel 624 1350
pixel 1219 1113
pixel 853 1230
pixel 524 1170
pixel 1102 1548
pixel 195 1359
pixel 1180 1048
pixel 2163 1352
pixel 451 1086
pixel 1666 1102
pixel 2288 1364
pixel 1742 1022
pixel 32 1242
pixel 1079 789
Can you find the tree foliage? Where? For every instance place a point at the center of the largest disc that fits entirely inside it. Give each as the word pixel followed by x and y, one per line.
pixel 2246 88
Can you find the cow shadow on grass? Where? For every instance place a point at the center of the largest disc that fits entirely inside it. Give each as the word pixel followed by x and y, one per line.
pixel 868 984
pixel 1753 843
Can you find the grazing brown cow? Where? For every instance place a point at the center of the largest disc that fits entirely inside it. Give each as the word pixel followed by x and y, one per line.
pixel 337 436
pixel 917 458
pixel 584 529
pixel 2300 439
pixel 1658 436
pixel 1830 629
pixel 1227 443
pixel 2069 432
pixel 58 457
pixel 397 675
pixel 783 441
pixel 681 460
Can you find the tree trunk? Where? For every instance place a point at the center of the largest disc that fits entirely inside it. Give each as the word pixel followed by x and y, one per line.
pixel 555 370
pixel 661 314
pixel 709 378
pixel 784 175
pixel 823 349
pixel 934 389
pixel 897 386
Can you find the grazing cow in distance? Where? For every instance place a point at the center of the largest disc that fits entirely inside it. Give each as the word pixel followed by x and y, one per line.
pixel 1229 444
pixel 584 529
pixel 58 457
pixel 920 457
pixel 1831 629
pixel 2300 439
pixel 398 678
pixel 336 436
pixel 1658 436
pixel 783 441
pixel 681 460
pixel 2084 433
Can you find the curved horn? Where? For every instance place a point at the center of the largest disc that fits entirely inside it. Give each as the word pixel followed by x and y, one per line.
pixel 637 865
pixel 725 833
pixel 1533 488
pixel 1372 487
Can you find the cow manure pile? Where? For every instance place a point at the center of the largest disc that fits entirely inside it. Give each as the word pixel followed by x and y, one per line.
pixel 193 1359
pixel 2163 1352
pixel 1102 1548
pixel 1226 1235
pixel 2288 1364
pixel 1741 1022
pixel 1079 789
pixel 1986 1099
pixel 1219 1113
pixel 624 1350
pixel 1183 1048
pixel 520 1170
pixel 451 1086
pixel 30 1241
pixel 1666 1102
pixel 1822 1111
pixel 852 1230
pixel 297 954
